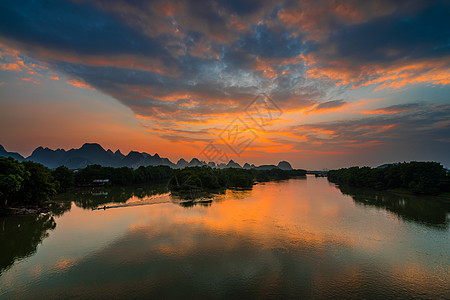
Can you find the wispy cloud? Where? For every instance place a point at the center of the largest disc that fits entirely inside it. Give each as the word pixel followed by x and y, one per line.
pixel 186 67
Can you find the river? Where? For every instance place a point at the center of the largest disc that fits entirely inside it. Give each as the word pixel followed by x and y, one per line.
pixel 299 238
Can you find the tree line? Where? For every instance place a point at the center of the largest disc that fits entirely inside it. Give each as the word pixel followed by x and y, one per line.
pixel 427 178
pixel 207 178
pixel 27 182
pixel 31 183
pixel 123 175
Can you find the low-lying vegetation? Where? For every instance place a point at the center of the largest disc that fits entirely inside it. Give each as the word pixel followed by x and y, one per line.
pixel 31 184
pixel 426 178
pixel 209 178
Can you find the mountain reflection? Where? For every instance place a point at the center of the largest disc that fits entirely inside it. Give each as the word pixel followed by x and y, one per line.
pixel 424 210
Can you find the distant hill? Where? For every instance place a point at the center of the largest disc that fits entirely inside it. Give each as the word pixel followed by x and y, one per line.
pixel 15 155
pixel 93 153
pixel 232 164
pixel 284 165
pixel 182 163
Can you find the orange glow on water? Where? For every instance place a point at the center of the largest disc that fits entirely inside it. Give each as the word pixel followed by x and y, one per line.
pixel 278 233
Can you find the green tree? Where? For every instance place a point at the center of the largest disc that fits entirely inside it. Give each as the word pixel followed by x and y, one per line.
pixel 419 177
pixel 65 178
pixel 12 175
pixel 39 186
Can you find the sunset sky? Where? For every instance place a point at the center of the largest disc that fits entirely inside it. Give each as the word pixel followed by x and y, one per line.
pixel 321 84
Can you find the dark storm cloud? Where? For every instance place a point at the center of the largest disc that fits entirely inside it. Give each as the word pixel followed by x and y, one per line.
pixel 417 34
pixel 67 26
pixel 243 7
pixel 265 42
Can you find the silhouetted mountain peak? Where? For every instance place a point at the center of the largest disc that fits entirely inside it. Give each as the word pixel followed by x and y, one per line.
pixel 93 153
pixel 181 163
pixel 40 150
pixel 15 155
pixel 92 147
pixel 195 162
pixel 232 164
pixel 284 165
pixel 134 154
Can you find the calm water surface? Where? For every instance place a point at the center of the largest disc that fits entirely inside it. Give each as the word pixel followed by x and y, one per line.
pixel 301 238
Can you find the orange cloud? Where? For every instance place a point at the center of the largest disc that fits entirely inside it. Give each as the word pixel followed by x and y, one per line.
pixel 316 109
pixel 317 18
pixel 122 61
pixel 168 8
pixel 237 24
pixel 395 75
pixel 10 67
pixel 30 80
pixel 79 83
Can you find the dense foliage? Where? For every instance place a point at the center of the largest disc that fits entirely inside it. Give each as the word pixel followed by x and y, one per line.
pixel 65 178
pixel 122 176
pixel 206 178
pixel 25 182
pixel 30 183
pixel 428 178
pixel 276 174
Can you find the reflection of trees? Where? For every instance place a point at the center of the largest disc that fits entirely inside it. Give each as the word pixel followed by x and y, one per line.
pixel 191 198
pixel 424 210
pixel 20 236
pixel 205 203
pixel 92 198
pixel 58 208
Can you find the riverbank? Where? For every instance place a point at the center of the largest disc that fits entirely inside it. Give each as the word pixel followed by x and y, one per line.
pixel 443 196
pixel 419 178
pixel 24 210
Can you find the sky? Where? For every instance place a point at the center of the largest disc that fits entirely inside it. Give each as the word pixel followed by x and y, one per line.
pixel 321 84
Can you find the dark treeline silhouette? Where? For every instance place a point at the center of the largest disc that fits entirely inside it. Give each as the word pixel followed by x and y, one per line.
pixel 427 178
pixel 206 178
pixel 29 183
pixel 123 175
